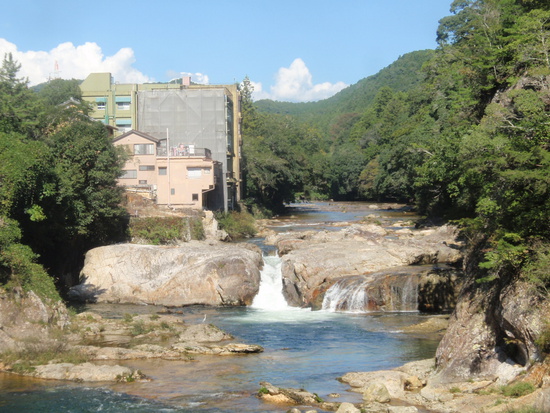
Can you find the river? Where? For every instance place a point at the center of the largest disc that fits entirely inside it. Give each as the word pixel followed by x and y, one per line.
pixel 303 348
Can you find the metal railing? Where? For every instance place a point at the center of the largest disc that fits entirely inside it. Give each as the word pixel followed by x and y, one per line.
pixel 186 151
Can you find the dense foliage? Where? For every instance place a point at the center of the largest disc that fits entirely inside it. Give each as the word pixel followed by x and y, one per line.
pixel 58 171
pixel 466 137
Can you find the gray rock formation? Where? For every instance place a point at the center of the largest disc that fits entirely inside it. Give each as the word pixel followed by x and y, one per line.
pixel 86 372
pixel 312 261
pixel 195 273
pixel 25 319
pixel 492 332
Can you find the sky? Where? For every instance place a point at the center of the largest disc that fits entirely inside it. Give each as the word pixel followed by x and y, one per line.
pixel 291 50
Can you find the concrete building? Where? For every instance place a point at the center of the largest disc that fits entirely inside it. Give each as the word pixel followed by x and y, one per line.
pixel 178 177
pixel 181 114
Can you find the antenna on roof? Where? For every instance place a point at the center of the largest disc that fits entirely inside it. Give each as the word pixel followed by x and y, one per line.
pixel 56 72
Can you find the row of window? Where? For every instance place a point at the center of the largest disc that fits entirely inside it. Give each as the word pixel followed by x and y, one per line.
pixel 192 173
pixel 119 105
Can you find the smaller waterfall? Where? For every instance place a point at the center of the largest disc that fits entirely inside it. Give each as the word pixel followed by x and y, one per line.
pixel 270 295
pixel 347 295
pixel 384 291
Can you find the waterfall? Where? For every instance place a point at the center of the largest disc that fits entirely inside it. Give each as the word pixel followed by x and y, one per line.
pixel 383 291
pixel 270 295
pixel 347 295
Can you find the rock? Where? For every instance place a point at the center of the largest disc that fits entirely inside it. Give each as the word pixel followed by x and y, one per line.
pixel 86 372
pixel 211 228
pixel 194 273
pixel 376 392
pixel 347 408
pixel 412 383
pixel 223 350
pixel 201 333
pixel 26 319
pixel 402 409
pixel 412 288
pixel 542 401
pixel 394 381
pixel 436 394
pixel 421 368
pixel 275 394
pixel 492 332
pixel 312 261
pixel 144 351
pixel 293 410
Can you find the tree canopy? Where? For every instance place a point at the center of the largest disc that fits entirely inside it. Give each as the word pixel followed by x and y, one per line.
pixel 58 171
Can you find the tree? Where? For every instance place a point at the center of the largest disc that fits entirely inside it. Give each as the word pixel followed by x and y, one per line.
pixel 19 108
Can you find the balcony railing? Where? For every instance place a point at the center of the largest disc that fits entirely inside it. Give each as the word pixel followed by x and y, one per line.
pixel 186 151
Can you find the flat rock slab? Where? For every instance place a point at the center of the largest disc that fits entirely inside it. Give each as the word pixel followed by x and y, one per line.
pixel 86 372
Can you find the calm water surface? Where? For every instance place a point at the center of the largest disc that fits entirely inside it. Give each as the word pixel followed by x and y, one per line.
pixel 303 349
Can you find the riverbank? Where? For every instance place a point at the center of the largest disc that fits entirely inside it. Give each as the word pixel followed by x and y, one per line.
pixel 303 349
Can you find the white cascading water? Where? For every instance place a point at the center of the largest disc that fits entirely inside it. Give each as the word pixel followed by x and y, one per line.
pixel 352 295
pixel 345 296
pixel 270 295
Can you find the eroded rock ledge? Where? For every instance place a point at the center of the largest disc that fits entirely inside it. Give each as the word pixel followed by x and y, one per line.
pixel 313 261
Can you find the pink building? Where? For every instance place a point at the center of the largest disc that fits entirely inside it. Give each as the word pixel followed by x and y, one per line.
pixel 179 176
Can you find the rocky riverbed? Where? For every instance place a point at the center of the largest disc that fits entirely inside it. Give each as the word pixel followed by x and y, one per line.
pixel 487 361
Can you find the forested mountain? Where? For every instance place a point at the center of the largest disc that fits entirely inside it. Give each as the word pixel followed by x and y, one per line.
pixel 466 136
pixel 402 75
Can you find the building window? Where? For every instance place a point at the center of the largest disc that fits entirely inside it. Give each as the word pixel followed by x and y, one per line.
pixel 194 173
pixel 173 191
pixel 100 105
pixel 144 149
pixel 147 167
pixel 123 105
pixel 163 170
pixel 143 181
pixel 206 171
pixel 195 197
pixel 129 174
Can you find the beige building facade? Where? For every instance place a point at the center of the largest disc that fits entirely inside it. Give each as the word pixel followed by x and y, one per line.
pixel 182 113
pixel 177 176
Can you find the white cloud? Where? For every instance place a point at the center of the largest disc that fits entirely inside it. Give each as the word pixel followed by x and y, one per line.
pixel 295 84
pixel 74 62
pixel 199 78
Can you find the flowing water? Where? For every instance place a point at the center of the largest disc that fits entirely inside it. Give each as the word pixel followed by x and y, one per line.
pixel 303 349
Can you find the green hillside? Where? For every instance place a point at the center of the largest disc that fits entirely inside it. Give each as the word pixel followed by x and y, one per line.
pixel 402 75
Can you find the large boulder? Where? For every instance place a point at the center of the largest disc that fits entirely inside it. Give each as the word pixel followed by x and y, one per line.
pixel 314 261
pixel 194 273
pixel 493 331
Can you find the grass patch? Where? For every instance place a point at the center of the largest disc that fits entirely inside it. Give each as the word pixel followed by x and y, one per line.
pixel 517 389
pixel 455 390
pixel 166 230
pixel 24 361
pixel 237 224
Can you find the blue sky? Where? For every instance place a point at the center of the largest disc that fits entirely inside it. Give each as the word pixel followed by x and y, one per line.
pixel 292 50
